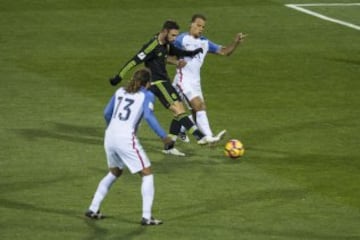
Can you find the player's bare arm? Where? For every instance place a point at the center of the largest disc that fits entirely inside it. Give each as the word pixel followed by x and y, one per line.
pixel 228 50
pixel 179 63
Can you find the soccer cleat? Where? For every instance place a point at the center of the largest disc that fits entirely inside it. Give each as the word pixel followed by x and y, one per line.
pixel 173 151
pixel 208 139
pixel 221 134
pixel 183 137
pixel 151 221
pixel 93 215
pixel 203 140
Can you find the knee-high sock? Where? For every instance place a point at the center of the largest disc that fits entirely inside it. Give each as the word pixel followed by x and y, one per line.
pixel 147 192
pixel 183 129
pixel 190 126
pixel 101 191
pixel 174 128
pixel 202 122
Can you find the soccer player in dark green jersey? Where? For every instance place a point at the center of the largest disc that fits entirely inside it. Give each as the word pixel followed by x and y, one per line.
pixel 154 56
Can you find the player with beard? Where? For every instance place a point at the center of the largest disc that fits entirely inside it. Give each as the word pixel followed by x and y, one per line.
pixel 154 55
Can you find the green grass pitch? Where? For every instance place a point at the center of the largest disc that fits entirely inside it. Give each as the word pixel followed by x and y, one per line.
pixel 290 93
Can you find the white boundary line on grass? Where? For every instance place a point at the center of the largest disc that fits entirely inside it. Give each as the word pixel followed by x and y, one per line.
pixel 299 7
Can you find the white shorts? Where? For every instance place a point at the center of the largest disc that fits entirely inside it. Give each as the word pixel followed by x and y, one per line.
pixel 187 88
pixel 126 152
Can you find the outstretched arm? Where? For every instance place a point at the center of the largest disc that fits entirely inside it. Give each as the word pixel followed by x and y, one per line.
pixel 150 117
pixel 180 53
pixel 228 50
pixel 108 111
pixel 140 57
pixel 179 62
pixel 152 120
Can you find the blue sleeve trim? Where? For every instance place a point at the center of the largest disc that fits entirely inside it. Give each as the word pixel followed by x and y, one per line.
pixel 150 117
pixel 213 47
pixel 108 111
pixel 179 39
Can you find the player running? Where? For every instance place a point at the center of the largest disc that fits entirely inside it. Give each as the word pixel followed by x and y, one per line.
pixel 187 80
pixel 154 55
pixel 123 114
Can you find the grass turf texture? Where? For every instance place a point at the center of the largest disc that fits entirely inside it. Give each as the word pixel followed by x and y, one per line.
pixel 290 93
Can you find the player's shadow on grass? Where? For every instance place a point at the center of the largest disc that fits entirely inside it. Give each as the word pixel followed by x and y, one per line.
pixel 272 133
pixel 345 60
pixel 95 231
pixel 270 198
pixel 21 185
pixel 16 205
pixel 216 202
pixel 98 232
pixel 26 203
pixel 64 132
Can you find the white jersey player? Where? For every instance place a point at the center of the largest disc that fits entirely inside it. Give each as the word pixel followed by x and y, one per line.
pixel 187 80
pixel 123 114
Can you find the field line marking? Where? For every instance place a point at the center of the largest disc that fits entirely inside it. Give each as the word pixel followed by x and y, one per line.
pixel 324 4
pixel 299 7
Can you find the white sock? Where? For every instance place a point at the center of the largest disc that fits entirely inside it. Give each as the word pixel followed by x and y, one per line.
pixel 147 192
pixel 101 191
pixel 203 123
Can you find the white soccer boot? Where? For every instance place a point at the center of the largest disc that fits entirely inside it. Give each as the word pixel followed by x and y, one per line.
pixel 207 139
pixel 221 134
pixel 210 139
pixel 174 151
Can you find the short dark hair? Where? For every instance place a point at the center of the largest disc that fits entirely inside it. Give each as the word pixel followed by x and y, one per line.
pixel 170 24
pixel 196 16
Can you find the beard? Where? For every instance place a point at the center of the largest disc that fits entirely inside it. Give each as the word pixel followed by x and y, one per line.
pixel 167 39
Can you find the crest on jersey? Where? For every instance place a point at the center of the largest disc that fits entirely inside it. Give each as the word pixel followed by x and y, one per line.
pixel 141 55
pixel 151 106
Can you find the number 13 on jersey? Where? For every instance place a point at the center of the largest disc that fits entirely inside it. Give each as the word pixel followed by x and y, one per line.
pixel 122 110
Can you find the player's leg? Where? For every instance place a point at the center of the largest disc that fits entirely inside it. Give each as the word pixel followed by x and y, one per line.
pixel 191 127
pixel 181 117
pixel 175 125
pixel 182 134
pixel 190 92
pixel 115 165
pixel 179 87
pixel 170 99
pixel 202 120
pixel 198 106
pixel 137 161
pixel 101 192
pixel 148 193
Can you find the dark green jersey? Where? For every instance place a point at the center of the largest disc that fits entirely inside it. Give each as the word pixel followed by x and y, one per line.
pixel 153 55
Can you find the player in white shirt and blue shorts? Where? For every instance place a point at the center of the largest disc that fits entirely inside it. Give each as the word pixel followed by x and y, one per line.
pixel 123 114
pixel 187 80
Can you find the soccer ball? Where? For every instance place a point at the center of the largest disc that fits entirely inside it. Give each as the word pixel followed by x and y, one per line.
pixel 234 149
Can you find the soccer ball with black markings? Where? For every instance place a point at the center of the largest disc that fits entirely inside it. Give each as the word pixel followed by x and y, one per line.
pixel 234 149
